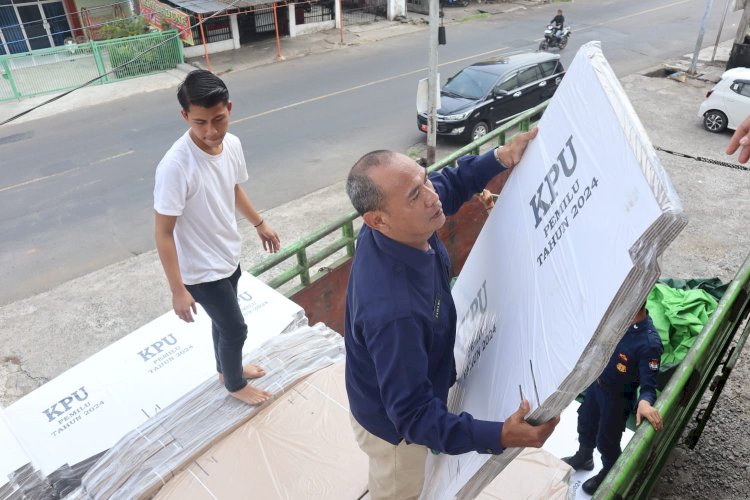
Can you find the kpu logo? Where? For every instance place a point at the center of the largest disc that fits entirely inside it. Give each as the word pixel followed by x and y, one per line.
pixel 539 205
pixel 157 347
pixel 478 305
pixel 58 409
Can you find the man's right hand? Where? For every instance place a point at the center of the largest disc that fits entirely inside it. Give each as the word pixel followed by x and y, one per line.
pixel 182 303
pixel 518 433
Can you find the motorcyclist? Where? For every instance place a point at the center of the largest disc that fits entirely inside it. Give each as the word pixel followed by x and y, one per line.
pixel 558 21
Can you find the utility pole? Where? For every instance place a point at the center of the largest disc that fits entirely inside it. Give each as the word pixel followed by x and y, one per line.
pixel 742 28
pixel 721 27
pixel 699 42
pixel 432 83
pixel 740 51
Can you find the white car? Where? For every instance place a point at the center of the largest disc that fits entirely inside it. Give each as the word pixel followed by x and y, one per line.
pixel 728 102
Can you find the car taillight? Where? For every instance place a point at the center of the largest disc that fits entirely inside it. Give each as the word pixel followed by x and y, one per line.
pixel 708 94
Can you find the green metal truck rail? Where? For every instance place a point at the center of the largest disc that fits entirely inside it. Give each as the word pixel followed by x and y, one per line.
pixel 345 223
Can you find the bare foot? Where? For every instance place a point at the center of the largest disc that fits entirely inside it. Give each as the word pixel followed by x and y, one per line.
pixel 253 371
pixel 248 371
pixel 251 395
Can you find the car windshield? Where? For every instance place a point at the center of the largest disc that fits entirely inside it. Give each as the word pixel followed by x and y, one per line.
pixel 470 83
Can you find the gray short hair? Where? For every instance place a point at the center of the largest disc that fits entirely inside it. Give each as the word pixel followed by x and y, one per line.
pixel 363 192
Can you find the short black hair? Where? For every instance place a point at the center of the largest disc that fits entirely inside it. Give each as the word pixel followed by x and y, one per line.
pixel 363 192
pixel 202 88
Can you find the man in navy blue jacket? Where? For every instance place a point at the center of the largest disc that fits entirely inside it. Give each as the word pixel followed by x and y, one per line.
pixel 611 398
pixel 401 320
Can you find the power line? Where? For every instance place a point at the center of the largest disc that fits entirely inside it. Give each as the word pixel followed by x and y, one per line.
pixel 137 56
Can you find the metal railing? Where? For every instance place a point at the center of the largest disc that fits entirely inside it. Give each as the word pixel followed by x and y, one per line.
pixel 68 66
pixel 345 223
pixel 363 11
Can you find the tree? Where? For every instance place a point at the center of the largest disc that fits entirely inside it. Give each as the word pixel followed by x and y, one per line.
pixel 123 28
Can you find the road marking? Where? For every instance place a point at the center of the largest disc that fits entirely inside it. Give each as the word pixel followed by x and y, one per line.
pixel 387 79
pixel 38 179
pixel 58 174
pixel 624 17
pixel 113 157
pixel 637 14
pixel 357 87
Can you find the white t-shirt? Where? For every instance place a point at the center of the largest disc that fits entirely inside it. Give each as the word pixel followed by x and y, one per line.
pixel 198 188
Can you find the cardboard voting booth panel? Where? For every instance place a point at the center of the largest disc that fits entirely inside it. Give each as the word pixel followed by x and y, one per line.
pixel 142 461
pixel 88 408
pixel 13 456
pixel 535 473
pixel 301 446
pixel 565 260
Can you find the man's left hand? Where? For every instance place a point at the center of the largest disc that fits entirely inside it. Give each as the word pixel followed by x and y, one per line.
pixel 511 153
pixel 645 410
pixel 268 236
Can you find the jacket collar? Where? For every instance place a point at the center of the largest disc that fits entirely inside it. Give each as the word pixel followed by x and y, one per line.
pixel 643 325
pixel 419 260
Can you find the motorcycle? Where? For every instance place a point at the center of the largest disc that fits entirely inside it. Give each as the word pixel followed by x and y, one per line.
pixel 454 3
pixel 551 39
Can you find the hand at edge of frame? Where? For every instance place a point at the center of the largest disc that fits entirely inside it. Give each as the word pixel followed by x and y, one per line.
pixel 741 137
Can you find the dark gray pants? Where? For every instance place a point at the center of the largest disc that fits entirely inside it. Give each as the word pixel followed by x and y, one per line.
pixel 219 299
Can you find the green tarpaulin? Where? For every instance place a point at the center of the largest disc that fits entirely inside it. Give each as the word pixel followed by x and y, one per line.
pixel 679 316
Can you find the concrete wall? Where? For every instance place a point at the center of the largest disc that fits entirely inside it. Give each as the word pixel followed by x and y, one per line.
pixel 305 29
pixel 197 49
pixel 396 8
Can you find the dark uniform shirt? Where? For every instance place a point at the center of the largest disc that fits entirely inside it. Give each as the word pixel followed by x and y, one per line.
pixel 558 20
pixel 400 329
pixel 635 362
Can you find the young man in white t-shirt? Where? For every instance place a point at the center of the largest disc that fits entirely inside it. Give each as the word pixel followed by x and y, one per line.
pixel 195 197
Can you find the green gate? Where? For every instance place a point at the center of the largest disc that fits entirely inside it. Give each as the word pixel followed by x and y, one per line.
pixel 68 66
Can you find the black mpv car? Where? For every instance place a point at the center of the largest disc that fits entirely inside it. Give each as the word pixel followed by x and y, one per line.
pixel 485 94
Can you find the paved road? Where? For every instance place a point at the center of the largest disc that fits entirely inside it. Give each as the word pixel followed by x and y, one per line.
pixel 75 190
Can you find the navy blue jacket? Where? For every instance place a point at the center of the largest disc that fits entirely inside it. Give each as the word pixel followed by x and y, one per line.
pixel 635 362
pixel 400 329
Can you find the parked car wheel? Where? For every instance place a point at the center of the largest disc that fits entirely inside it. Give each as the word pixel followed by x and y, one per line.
pixel 478 130
pixel 543 45
pixel 715 121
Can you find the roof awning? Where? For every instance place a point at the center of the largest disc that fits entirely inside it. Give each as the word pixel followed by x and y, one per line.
pixel 210 6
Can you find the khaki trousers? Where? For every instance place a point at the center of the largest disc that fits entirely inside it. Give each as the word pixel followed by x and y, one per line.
pixel 396 472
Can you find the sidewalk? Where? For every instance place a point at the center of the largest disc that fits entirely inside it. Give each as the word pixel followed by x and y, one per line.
pixel 253 55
